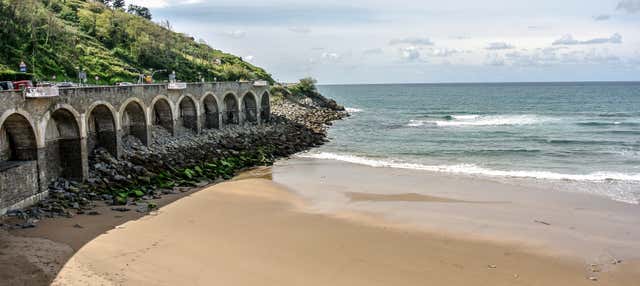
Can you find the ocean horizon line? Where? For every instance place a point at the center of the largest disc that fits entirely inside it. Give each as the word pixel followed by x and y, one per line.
pixel 484 83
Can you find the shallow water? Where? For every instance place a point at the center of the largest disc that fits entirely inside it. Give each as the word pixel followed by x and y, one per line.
pixel 575 136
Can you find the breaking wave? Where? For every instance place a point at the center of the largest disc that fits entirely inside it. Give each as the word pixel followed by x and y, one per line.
pixel 471 169
pixel 481 120
pixel 352 109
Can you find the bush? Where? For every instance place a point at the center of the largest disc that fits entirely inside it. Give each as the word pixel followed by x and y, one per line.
pixel 306 86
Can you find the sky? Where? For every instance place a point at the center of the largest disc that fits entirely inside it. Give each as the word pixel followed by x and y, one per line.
pixel 419 41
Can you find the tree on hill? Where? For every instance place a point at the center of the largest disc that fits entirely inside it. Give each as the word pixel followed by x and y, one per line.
pixel 56 37
pixel 139 11
pixel 306 86
pixel 105 2
pixel 118 4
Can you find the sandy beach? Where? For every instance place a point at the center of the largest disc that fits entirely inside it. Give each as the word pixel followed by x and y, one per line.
pixel 263 228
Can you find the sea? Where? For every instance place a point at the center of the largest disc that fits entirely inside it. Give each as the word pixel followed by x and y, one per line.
pixel 579 137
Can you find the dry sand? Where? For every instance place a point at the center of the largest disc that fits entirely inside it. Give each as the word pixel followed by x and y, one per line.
pixel 255 232
pixel 315 222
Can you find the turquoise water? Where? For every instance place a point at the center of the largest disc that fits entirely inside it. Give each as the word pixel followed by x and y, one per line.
pixel 585 135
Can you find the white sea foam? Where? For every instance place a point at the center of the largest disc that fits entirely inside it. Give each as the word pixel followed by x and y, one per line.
pixel 470 169
pixel 352 109
pixel 415 123
pixel 483 120
pixel 465 117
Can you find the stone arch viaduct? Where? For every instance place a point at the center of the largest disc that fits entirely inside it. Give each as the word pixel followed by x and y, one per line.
pixel 42 139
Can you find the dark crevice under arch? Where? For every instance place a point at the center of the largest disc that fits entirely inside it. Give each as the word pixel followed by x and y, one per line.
pixel 188 114
pixel 211 114
pixel 102 131
pixel 250 108
pixel 18 140
pixel 63 146
pixel 162 115
pixel 265 108
pixel 231 112
pixel 134 122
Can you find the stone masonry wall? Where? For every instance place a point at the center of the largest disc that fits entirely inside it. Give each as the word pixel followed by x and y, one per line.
pixel 58 157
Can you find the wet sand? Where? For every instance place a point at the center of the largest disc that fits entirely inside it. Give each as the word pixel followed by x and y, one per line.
pixel 314 222
pixel 591 228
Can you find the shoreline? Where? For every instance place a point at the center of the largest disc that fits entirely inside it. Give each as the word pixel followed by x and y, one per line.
pixel 557 181
pixel 572 224
pixel 261 204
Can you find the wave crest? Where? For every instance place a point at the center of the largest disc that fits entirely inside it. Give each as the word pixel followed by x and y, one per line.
pixel 471 169
pixel 481 120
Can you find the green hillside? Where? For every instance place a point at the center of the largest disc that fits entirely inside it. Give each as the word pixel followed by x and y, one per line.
pixel 56 37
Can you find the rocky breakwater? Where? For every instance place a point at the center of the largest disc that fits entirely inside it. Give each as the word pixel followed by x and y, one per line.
pixel 172 165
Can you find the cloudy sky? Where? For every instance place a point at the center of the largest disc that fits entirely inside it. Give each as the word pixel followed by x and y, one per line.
pixel 375 41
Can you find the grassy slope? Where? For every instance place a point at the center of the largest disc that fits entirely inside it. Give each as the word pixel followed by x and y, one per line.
pixel 55 36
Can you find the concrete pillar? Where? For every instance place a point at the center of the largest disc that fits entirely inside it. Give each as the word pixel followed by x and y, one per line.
pixel 198 122
pixel 84 159
pixel 118 149
pixel 43 184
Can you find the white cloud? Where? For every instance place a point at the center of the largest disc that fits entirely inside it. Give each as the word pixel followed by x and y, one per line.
pixel 630 6
pixel 412 41
pixel 236 34
pixel 392 44
pixel 331 56
pixel 445 52
pixel 249 58
pixel 494 60
pixel 374 51
pixel 537 28
pixel 300 30
pixel 603 17
pixel 499 46
pixel 568 40
pixel 410 53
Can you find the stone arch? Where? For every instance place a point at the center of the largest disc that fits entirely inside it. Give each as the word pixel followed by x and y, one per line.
pixel 231 113
pixel 102 129
pixel 250 108
pixel 63 145
pixel 188 113
pixel 265 108
pixel 211 112
pixel 162 113
pixel 17 138
pixel 133 120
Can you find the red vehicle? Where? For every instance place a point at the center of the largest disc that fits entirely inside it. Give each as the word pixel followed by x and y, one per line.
pixel 22 84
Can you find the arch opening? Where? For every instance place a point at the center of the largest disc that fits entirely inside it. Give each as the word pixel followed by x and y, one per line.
pixel 101 130
pixel 250 108
pixel 211 114
pixel 134 123
pixel 188 114
pixel 265 108
pixel 162 115
pixel 63 146
pixel 231 112
pixel 17 140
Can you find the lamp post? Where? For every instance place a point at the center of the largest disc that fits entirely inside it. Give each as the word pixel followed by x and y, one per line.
pixel 140 75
